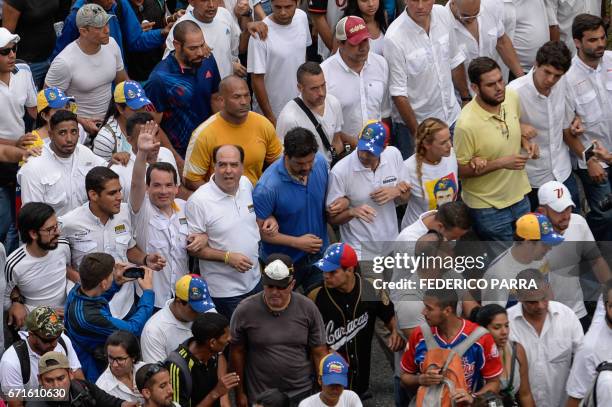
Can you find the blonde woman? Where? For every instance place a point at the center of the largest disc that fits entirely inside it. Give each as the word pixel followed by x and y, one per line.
pixel 433 170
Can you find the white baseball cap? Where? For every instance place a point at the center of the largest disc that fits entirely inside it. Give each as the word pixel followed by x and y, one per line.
pixel 555 195
pixel 7 37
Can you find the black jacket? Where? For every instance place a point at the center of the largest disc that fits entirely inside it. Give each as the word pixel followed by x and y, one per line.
pixel 82 394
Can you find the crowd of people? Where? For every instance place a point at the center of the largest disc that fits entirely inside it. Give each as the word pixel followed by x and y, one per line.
pixel 195 198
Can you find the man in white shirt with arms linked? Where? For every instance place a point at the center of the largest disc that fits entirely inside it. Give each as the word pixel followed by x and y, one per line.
pixel 223 209
pixel 323 106
pixel 88 66
pixel 358 78
pixel 425 61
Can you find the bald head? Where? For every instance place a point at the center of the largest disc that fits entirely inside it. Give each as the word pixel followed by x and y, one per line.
pixel 468 8
pixel 185 28
pixel 231 84
pixel 231 152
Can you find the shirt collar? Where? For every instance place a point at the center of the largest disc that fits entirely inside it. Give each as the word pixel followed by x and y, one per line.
pixel 346 68
pixel 484 115
pixel 552 310
pixel 359 167
pixel 412 25
pixel 217 193
pixel 584 67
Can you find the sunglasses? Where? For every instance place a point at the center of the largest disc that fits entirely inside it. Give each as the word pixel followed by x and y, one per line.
pixel 7 51
pixel 152 370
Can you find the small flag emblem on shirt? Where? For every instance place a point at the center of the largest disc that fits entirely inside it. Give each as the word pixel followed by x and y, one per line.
pixel 208 74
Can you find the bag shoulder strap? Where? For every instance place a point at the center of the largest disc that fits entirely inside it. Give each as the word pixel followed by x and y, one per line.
pixel 430 341
pixel 176 359
pixel 21 348
pixel 116 140
pixel 315 122
pixel 467 343
pixel 603 366
pixel 513 363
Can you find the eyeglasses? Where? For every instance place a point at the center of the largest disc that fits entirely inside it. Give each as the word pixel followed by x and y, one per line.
pixel 46 341
pixel 7 51
pixel 51 229
pixel 467 19
pixel 119 360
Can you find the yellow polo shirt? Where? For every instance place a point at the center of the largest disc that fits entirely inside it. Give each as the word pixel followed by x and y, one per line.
pixel 256 136
pixel 479 133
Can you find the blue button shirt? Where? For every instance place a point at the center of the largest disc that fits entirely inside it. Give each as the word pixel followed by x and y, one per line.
pixel 183 95
pixel 299 209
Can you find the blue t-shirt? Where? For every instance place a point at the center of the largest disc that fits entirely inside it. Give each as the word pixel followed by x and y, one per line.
pixel 183 95
pixel 298 209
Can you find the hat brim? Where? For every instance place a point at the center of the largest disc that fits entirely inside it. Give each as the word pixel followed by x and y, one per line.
pixel 137 103
pixel 359 38
pixel 561 204
pixel 61 102
pixel 284 283
pixel 552 239
pixel 13 38
pixel 201 306
pixel 108 18
pixel 335 378
pixel 374 149
pixel 326 266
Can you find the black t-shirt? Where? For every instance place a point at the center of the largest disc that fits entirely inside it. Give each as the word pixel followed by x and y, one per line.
pixel 35 26
pixel 349 320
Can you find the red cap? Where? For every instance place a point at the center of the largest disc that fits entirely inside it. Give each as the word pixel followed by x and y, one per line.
pixel 352 29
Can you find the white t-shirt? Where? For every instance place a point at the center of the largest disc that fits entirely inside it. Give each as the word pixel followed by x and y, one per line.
pixel 377 45
pixel 350 179
pixel 14 97
pixel 41 280
pixel 531 31
pixel 348 398
pixel 88 78
pixel 293 116
pixel 10 368
pixel 438 185
pixel 222 34
pixel 278 58
pixel 596 348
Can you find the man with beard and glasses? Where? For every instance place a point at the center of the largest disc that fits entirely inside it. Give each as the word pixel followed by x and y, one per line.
pixel 57 176
pixel 591 99
pixel 488 145
pixel 234 124
pixel 153 382
pixel 223 209
pixel 183 85
pixel 36 273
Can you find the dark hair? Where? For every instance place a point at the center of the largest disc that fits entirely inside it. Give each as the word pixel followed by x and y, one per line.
pixel 94 268
pixel 183 28
pixel 127 341
pixel 446 297
pixel 161 166
pixel 607 287
pixel 138 118
pixel 207 326
pixel 62 116
pixel 454 215
pixel 112 111
pixel 97 177
pixel 486 314
pixel 31 217
pixel 308 68
pixel 300 142
pixel 217 148
pixel 352 9
pixel 585 22
pixel 424 246
pixel 273 398
pixel 555 54
pixel 533 275
pixel 480 66
pixel 145 374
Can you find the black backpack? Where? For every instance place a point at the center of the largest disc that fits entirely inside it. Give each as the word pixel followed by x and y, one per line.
pixel 21 349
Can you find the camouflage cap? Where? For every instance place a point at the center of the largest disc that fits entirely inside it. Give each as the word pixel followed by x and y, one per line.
pixel 44 321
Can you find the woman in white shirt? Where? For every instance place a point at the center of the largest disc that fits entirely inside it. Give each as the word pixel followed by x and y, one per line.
pixel 124 360
pixel 433 170
pixel 373 13
pixel 514 385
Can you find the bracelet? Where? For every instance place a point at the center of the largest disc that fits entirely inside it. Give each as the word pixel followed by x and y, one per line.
pixel 144 261
pixel 226 259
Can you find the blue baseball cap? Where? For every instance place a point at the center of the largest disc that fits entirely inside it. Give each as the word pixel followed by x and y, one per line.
pixel 132 94
pixel 372 138
pixel 337 255
pixel 334 370
pixel 536 226
pixel 194 290
pixel 54 98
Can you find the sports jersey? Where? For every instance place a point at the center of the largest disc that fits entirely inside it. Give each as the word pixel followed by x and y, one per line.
pixel 480 362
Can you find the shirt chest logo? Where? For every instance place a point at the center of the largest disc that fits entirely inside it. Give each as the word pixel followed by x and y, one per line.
pixel 389 180
pixel 120 229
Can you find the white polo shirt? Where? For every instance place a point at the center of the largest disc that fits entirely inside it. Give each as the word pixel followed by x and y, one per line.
pixel 549 355
pixel 596 348
pixel 41 280
pixel 162 334
pixel 490 29
pixel 549 115
pixel 420 65
pixel 231 226
pixel 293 116
pixel 59 182
pixel 125 171
pixel 156 233
pixel 222 35
pixel 590 95
pixel 87 234
pixel 531 30
pixel 14 98
pixel 363 96
pixel 350 179
pixel 10 368
pixel 562 13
